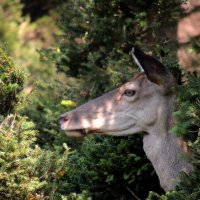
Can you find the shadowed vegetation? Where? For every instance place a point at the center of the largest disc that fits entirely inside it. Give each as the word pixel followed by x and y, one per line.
pixel 58 54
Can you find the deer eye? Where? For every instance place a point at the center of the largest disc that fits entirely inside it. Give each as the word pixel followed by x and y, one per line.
pixel 129 93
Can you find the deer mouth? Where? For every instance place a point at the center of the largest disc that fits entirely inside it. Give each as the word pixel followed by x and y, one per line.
pixel 72 131
pixel 77 132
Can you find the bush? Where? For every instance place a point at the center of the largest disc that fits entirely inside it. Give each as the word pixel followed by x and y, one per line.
pixel 111 168
pixel 94 51
pixel 11 83
pixel 26 170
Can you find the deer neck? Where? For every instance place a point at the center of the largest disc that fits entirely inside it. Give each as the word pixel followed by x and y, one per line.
pixel 164 150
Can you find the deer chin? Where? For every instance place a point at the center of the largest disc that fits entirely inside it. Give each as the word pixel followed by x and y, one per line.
pixel 114 131
pixel 125 132
pixel 76 133
pixel 83 132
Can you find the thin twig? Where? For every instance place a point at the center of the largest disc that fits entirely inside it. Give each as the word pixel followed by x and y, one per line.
pixel 13 121
pixel 132 193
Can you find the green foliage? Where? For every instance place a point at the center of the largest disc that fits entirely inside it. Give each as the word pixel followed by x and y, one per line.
pixel 93 52
pixel 16 172
pixel 111 168
pixel 74 196
pixel 9 11
pixel 189 109
pixel 11 83
pixel 25 169
pixel 44 107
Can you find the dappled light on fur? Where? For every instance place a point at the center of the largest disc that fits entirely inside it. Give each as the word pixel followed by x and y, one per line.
pixel 147 109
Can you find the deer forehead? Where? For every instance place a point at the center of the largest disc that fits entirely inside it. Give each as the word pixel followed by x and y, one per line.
pixel 141 85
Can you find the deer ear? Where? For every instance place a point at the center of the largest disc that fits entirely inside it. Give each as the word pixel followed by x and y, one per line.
pixel 155 71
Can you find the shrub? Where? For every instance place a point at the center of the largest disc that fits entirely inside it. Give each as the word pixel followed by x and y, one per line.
pixel 112 168
pixel 94 51
pixel 11 83
pixel 26 170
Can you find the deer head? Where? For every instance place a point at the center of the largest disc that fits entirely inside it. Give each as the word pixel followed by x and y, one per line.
pixel 142 104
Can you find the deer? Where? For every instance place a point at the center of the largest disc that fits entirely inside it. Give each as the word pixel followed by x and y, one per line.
pixel 145 104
